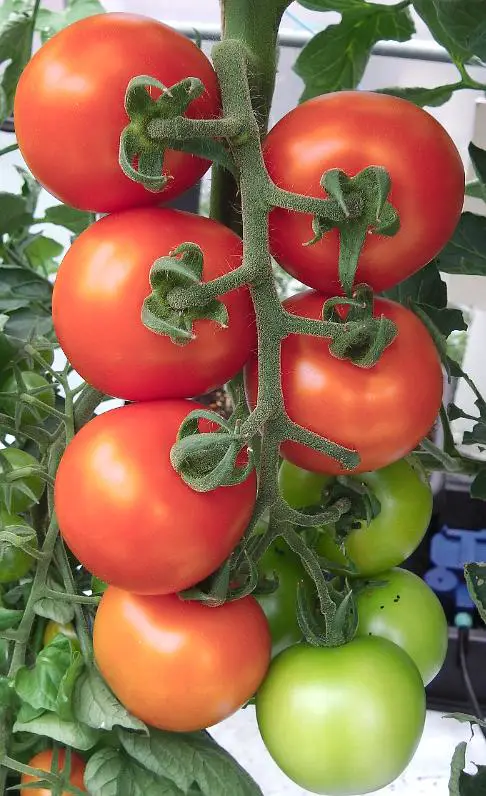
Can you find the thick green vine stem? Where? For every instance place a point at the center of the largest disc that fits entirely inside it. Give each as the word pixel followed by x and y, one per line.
pixel 356 206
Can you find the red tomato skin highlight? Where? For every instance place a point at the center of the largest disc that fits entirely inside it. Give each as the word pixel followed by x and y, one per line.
pixel 127 515
pixel 69 108
pixel 185 666
pixel 98 297
pixel 351 130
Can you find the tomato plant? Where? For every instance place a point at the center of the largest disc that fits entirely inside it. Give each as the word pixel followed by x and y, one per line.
pixel 315 697
pixel 14 562
pixel 105 277
pixel 406 611
pixel 19 494
pixel 186 666
pixel 32 383
pixel 280 563
pixel 356 407
pixel 45 761
pixel 339 130
pixel 69 113
pixel 162 498
pixel 126 514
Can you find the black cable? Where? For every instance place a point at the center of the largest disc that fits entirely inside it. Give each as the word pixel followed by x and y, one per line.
pixel 463 637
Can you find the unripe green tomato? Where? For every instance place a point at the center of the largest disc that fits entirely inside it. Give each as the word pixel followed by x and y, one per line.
pixel 345 720
pixel 20 501
pixel 393 535
pixel 14 562
pixel 406 611
pixel 31 381
pixel 54 629
pixel 280 606
pixel 301 488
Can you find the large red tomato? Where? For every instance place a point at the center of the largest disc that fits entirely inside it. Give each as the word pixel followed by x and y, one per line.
pixel 382 412
pixel 350 130
pixel 69 108
pixel 127 515
pixel 178 665
pixel 98 297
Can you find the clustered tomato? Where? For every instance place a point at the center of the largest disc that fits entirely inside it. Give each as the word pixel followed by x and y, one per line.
pixel 351 130
pixel 107 268
pixel 123 510
pixel 69 112
pixel 357 407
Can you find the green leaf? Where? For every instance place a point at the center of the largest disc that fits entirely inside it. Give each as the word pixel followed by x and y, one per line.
pixel 41 253
pixel 190 758
pixel 332 5
pixel 40 685
pixel 95 705
pixel 428 291
pixel 478 158
pixel 475 575
pixel 478 486
pixel 428 10
pixel 57 610
pixel 15 46
pixel 110 772
pixel 473 784
pixel 423 97
pixel 336 57
pixel 465 24
pixel 64 216
pixel 67 733
pixel 50 22
pixel 21 287
pixel 476 189
pixel 465 718
pixel 9 618
pixel 466 251
pixel 64 702
pixel 457 764
pixel 13 212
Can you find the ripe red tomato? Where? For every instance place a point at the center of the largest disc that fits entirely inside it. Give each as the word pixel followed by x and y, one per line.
pixel 128 516
pixel 184 666
pixel 98 297
pixel 69 108
pixel 44 761
pixel 382 412
pixel 350 130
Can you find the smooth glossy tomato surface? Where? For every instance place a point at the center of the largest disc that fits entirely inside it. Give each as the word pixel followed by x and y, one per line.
pixel 342 721
pixel 406 611
pixel 185 666
pixel 69 108
pixel 14 562
pixel 44 761
pixel 381 412
pixel 351 130
pixel 19 494
pixel 279 563
pixel 128 516
pixel 97 303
